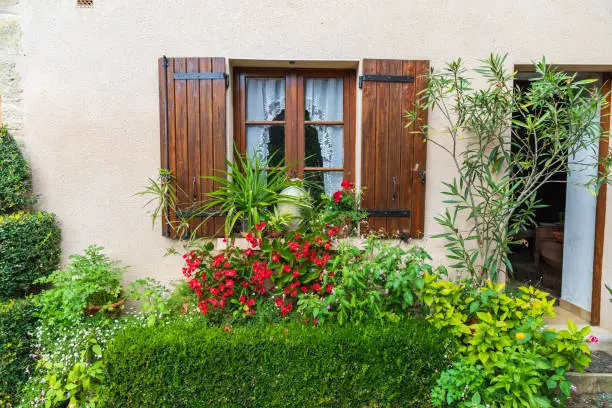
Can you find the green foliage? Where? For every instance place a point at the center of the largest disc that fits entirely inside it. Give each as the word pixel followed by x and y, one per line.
pixel 17 324
pixel 505 145
pixel 375 283
pixel 460 386
pixel 504 335
pixel 29 250
pixel 342 209
pixel 282 366
pixel 15 177
pixel 70 363
pixel 250 190
pixel 159 302
pixel 162 193
pixel 89 279
pixel 78 383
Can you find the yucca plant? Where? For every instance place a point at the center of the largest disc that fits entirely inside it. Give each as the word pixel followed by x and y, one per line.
pixel 249 191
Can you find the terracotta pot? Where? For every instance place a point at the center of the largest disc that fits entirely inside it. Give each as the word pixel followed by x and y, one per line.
pixel 91 310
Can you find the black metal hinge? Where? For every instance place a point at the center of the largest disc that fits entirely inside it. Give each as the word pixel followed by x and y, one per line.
pixel 389 213
pixel 203 75
pixel 385 78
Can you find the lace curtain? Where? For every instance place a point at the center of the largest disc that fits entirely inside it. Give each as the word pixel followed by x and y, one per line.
pixel 265 101
pixel 323 101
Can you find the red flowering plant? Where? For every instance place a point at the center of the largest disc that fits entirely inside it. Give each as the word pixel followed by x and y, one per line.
pixel 343 209
pixel 234 280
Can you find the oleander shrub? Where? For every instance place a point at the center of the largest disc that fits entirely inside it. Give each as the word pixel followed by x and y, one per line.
pixel 17 325
pixel 29 250
pixel 187 365
pixel 15 177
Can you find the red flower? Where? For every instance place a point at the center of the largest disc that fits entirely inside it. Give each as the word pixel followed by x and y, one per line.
pixel 332 231
pixel 275 258
pixel 337 196
pixel 286 268
pixel 279 302
pixel 327 245
pixel 261 226
pixel 329 288
pixel 296 274
pixel 248 253
pixel 304 289
pixel 218 260
pixel 245 284
pixel 250 302
pixel 316 287
pixel 297 235
pixel 242 299
pixel 286 309
pixel 346 184
pixel 214 291
pixel 319 240
pixel 203 307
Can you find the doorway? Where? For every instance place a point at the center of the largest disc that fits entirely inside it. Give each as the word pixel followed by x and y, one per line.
pixel 562 252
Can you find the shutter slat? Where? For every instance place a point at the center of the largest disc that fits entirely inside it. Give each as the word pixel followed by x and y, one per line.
pixel 408 139
pixel 394 144
pixel 368 131
pixel 193 139
pixel 420 160
pixel 196 130
pixel 219 129
pixel 206 137
pixel 389 150
pixel 382 142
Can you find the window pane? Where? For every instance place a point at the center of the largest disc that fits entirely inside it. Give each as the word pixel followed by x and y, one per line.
pixel 323 146
pixel 323 182
pixel 264 141
pixel 323 99
pixel 265 99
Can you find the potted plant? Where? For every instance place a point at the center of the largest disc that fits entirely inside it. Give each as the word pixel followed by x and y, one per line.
pixel 250 191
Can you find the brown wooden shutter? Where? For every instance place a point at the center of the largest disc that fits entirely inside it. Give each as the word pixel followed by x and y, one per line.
pixel 393 158
pixel 193 136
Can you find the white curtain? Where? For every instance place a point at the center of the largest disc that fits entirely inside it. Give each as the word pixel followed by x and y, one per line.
pixel 324 102
pixel 265 101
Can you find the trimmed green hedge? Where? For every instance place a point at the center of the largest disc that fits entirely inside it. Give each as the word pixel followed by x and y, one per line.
pixel 190 365
pixel 29 249
pixel 17 323
pixel 15 178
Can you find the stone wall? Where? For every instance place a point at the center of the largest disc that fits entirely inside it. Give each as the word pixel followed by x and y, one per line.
pixel 11 55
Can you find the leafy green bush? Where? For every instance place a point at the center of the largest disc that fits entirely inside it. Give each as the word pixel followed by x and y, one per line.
pixel 92 279
pixel 69 362
pixel 29 250
pixel 15 178
pixel 187 365
pixel 17 324
pixel 375 283
pixel 503 335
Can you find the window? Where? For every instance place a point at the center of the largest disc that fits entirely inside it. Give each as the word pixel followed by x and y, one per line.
pixel 304 117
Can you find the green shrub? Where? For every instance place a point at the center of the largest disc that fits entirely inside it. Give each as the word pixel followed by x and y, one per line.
pixel 17 324
pixel 15 178
pixel 29 250
pixel 502 335
pixel 92 279
pixel 187 365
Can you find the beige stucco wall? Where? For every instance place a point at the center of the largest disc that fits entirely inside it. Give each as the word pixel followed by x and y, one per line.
pixel 91 94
